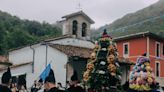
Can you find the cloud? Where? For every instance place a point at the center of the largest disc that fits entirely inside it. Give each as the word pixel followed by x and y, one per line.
pixel 101 11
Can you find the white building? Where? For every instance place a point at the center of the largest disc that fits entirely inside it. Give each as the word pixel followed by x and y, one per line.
pixel 32 60
pixel 66 53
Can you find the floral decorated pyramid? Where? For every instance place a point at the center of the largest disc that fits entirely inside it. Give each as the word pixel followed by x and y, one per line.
pixel 102 71
pixel 141 77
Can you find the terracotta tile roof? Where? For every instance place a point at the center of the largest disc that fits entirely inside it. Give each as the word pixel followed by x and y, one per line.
pixel 16 65
pixel 82 52
pixel 123 60
pixel 138 35
pixel 4 60
pixel 73 50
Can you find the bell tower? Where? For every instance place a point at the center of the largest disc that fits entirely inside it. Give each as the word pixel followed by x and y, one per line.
pixel 77 25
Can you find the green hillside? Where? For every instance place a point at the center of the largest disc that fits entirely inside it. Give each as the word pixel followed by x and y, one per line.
pixel 150 18
pixel 15 32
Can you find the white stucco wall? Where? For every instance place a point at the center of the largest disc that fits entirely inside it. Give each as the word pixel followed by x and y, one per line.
pixel 21 55
pixel 58 62
pixel 40 59
pixel 65 29
pixel 57 59
pixel 74 42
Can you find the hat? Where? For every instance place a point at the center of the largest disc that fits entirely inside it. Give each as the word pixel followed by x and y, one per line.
pixel 50 77
pixel 105 35
pixel 40 80
pixel 145 54
pixel 74 76
pixel 6 76
pixel 21 80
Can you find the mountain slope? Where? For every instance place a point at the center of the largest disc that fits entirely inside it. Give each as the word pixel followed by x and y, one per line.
pixel 150 18
pixel 154 10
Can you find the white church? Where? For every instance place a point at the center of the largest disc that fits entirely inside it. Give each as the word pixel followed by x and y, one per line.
pixel 65 54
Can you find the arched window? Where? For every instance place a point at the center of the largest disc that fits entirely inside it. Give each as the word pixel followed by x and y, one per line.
pixel 74 27
pixel 84 29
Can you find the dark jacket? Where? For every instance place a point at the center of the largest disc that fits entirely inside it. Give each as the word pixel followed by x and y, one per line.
pixel 54 89
pixel 75 89
pixel 4 89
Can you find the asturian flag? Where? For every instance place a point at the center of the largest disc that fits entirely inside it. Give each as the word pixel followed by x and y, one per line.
pixel 45 73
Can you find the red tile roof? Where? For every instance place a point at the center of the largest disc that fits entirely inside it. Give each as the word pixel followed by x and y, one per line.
pixel 82 52
pixel 123 60
pixel 4 60
pixel 138 35
pixel 73 50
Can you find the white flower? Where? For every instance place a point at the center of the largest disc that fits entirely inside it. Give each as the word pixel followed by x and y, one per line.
pixel 119 77
pixel 104 49
pixel 102 62
pixel 117 64
pixel 101 72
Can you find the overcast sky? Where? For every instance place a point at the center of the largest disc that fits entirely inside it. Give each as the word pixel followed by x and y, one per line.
pixel 101 11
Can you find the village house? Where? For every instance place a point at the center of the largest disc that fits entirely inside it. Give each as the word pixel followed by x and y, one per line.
pixel 152 45
pixel 65 54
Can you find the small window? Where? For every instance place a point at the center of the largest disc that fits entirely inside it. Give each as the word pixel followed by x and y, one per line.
pixel 126 49
pixel 157 49
pixel 157 69
pixel 74 27
pixel 84 29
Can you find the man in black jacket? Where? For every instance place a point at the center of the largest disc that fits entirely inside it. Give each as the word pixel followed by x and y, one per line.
pixel 6 80
pixel 50 83
pixel 74 85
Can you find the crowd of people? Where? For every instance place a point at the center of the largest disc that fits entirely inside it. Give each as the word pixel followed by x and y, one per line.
pixel 9 85
pixel 48 85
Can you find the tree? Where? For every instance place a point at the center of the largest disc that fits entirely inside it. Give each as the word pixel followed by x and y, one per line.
pixel 102 73
pixel 19 38
pixel 15 32
pixel 2 42
pixel 141 77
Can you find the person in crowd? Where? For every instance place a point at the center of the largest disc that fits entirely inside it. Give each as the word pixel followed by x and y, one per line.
pixel 23 89
pixel 59 86
pixel 37 86
pixel 22 84
pixel 74 85
pixel 33 88
pixel 50 83
pixel 6 80
pixel 14 87
pixel 163 89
